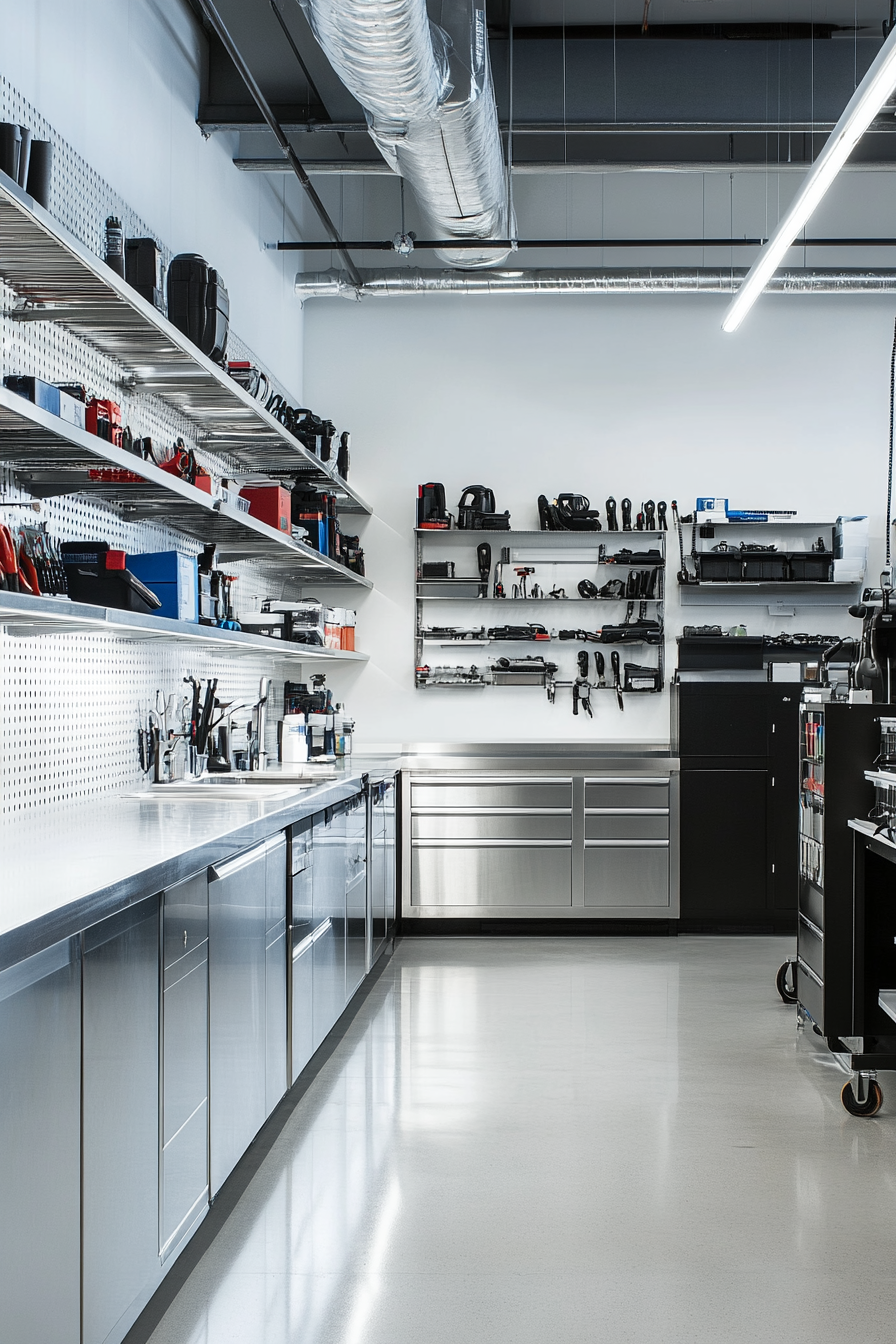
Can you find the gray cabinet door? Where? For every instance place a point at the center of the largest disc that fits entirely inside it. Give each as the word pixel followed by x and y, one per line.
pixel 120 1110
pixel 328 913
pixel 376 876
pixel 389 813
pixel 301 983
pixel 628 874
pixel 496 873
pixel 184 1185
pixel 275 972
pixel 355 893
pixel 237 1047
pixel 40 1153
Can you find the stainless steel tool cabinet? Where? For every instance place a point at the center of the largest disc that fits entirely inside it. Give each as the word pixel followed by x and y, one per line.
pixel 550 837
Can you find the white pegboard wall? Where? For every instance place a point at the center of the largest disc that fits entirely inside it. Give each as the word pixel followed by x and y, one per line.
pixel 72 703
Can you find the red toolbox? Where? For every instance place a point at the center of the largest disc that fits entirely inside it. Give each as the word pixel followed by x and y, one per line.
pixel 271 504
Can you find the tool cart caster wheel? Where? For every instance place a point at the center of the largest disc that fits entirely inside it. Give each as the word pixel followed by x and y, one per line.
pixel 787 991
pixel 869 1107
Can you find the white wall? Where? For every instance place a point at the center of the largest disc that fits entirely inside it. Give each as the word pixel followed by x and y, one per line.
pixel 636 396
pixel 119 79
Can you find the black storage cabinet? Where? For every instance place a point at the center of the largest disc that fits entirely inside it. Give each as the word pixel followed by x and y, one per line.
pixel 739 750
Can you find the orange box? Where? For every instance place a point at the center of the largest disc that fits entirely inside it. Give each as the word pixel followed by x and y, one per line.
pixel 270 504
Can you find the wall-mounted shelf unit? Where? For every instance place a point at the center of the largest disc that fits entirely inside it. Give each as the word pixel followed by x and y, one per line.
pixel 52 457
pixel 26 616
pixel 59 280
pixel 762 578
pixel 560 560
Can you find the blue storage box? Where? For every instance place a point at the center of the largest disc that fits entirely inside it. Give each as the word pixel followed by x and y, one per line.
pixel 173 577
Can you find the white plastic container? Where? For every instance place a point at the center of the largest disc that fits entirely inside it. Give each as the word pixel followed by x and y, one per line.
pixel 294 742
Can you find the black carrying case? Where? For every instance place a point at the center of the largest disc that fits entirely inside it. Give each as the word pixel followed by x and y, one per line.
pixel 198 304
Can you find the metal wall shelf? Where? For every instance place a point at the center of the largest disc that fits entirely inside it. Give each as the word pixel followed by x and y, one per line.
pixel 52 457
pixel 25 616
pixel 63 282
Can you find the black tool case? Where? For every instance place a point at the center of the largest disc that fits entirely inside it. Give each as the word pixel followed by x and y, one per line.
pixel 198 304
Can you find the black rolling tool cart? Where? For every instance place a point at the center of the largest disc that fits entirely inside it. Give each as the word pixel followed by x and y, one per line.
pixel 737 742
pixel 842 918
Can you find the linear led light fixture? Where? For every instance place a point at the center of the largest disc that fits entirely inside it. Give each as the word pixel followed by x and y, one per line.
pixel 858 115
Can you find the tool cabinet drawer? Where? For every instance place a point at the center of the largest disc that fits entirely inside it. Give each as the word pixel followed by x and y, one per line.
pixel 492 825
pixel 627 873
pixel 491 875
pixel 627 825
pixel 810 993
pixel 492 791
pixel 810 946
pixel 812 902
pixel 626 793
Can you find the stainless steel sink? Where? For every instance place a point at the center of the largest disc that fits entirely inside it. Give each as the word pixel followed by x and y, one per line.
pixel 211 791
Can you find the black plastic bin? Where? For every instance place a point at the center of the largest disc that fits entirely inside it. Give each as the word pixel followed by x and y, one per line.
pixel 720 567
pixel 765 568
pixel 812 567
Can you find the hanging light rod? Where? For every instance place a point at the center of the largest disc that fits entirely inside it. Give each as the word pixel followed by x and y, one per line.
pixel 868 99
pixel 521 244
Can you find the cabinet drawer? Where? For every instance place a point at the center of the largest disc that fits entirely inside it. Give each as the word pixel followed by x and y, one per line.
pixel 491 792
pixel 626 793
pixel 627 826
pixel 186 918
pixel 492 875
pixel 810 946
pixel 810 994
pixel 184 1177
pixel 492 826
pixel 812 902
pixel 629 874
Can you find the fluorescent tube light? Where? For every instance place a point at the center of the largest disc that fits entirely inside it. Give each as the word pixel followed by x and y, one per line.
pixel 860 111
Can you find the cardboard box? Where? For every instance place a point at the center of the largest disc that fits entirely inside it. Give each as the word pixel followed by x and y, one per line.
pixel 71 410
pixel 174 578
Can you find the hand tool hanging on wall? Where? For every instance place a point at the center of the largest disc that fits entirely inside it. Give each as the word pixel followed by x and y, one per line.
pixel 684 576
pixel 600 667
pixel 484 561
pixel 614 663
pixel 650 516
pixel 612 520
pixel 585 696
pixel 661 516
pixel 626 507
pixel 582 660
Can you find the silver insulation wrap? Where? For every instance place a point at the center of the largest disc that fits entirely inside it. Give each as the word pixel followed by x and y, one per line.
pixel 399 283
pixel 429 100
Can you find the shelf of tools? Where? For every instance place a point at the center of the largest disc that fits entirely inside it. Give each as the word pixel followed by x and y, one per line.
pixel 584 599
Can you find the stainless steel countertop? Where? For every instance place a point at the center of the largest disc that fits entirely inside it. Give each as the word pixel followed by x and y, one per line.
pixel 66 868
pixel 577 756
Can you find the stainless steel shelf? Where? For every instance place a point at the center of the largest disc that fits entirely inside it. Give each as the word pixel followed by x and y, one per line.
pixel 489 534
pixel 64 282
pixel 52 457
pixel 27 616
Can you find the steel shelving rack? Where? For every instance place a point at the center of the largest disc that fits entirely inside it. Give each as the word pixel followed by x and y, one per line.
pixel 548 550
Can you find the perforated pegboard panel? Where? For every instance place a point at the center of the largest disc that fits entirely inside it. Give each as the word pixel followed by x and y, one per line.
pixel 71 706
pixel 71 701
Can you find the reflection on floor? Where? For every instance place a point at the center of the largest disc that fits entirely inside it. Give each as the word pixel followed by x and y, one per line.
pixel 530 1141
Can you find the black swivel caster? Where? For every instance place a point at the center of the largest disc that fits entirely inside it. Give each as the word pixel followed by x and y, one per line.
pixel 872 1102
pixel 785 989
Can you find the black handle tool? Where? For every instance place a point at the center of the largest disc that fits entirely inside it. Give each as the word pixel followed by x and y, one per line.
pixel 650 516
pixel 601 668
pixel 484 561
pixel 661 516
pixel 612 521
pixel 582 659
pixel 614 663
pixel 626 507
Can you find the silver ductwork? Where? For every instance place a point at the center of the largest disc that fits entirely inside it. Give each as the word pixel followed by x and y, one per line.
pixel 427 93
pixel 399 283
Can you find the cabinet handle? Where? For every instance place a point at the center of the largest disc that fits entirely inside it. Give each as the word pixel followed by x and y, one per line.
pixel 185 937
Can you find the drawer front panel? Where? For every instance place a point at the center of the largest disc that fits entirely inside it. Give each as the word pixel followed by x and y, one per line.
pixel 492 793
pixel 500 826
pixel 631 826
pixel 491 876
pixel 812 903
pixel 625 793
pixel 627 875
pixel 810 995
pixel 810 948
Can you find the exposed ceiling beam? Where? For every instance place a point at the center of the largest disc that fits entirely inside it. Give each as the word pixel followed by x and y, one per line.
pixel 379 168
pixel 246 118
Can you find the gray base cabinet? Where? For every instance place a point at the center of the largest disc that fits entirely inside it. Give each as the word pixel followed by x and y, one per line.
pixel 140 1058
pixel 587 845
pixel 185 1185
pixel 120 1116
pixel 40 1146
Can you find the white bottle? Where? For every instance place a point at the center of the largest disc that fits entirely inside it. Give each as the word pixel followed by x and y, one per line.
pixel 294 743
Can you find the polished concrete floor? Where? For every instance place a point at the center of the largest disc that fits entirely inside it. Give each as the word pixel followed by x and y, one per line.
pixel 561 1141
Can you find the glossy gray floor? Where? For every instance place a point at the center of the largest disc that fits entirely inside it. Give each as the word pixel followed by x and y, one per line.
pixel 524 1141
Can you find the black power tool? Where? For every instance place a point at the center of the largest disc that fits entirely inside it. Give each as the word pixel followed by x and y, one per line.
pixel 476 510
